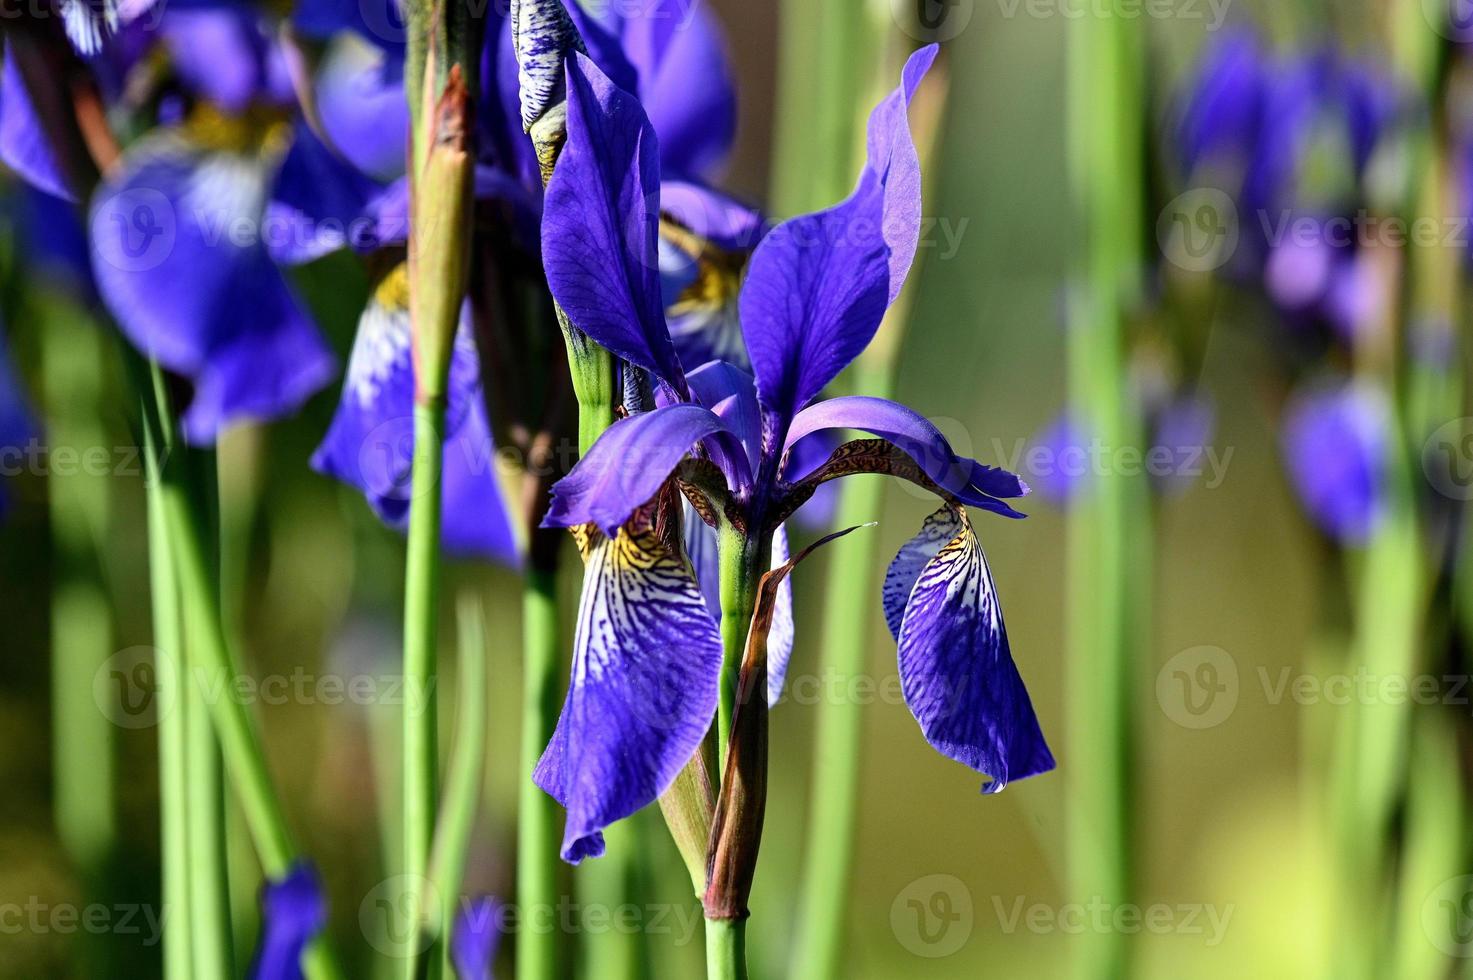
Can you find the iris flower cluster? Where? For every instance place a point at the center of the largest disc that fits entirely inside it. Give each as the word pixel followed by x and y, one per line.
pixel 1305 144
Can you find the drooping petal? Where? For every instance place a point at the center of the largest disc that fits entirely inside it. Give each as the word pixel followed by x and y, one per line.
pixel 627 466
pixel 1335 449
pixel 475 937
pixel 321 203
pixel 600 223
pixel 731 393
pixel 968 480
pixel 359 96
pixel 173 214
pixel 644 685
pixel 23 144
pixel 819 284
pixel 956 667
pixel 293 912
pixel 370 444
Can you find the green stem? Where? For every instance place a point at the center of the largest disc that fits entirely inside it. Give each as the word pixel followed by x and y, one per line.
pixel 743 560
pixel 463 773
pixel 211 660
pixel 420 719
pixel 209 883
pixel 1103 123
pixel 170 679
pixel 537 820
pixel 726 949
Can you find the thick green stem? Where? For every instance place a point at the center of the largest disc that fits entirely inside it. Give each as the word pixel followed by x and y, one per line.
pixel 538 819
pixel 726 949
pixel 1103 125
pixel 420 718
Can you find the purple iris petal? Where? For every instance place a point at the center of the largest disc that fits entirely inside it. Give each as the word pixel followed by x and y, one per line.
pixel 731 393
pixel 475 937
pixel 23 144
pixel 1334 445
pixel 643 691
pixel 600 224
pixel 969 481
pixel 359 94
pixel 956 668
pixel 1060 455
pixel 1225 107
pixel 320 203
pixel 379 21
pixel 293 912
pixel 627 466
pixel 171 214
pixel 55 244
pixel 685 81
pixel 807 455
pixel 718 218
pixel 226 54
pixel 1183 428
pixel 370 444
pixel 819 284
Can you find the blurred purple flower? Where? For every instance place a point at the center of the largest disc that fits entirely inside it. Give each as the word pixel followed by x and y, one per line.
pixel 1059 464
pixel 1335 445
pixel 293 912
pixel 475 937
pixel 1181 430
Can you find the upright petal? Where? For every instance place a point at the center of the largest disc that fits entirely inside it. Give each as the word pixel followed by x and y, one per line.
pixel 359 96
pixel 968 480
pixel 176 250
pixel 644 685
pixel 23 144
pixel 706 240
pixel 627 466
pixel 293 911
pixel 227 54
pixel 600 223
pixel 956 668
pixel 819 284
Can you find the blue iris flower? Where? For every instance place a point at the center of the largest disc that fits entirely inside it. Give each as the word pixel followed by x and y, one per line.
pixel 647 654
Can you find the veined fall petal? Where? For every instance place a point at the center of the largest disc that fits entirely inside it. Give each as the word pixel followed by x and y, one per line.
pixel 644 685
pixel 956 667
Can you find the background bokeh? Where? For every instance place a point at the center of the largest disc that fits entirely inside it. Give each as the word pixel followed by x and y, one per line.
pixel 1224 825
